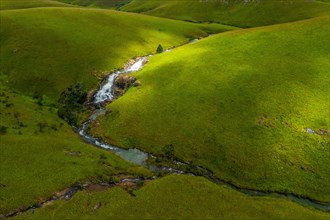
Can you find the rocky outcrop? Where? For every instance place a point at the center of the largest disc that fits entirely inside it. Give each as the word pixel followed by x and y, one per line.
pixel 123 82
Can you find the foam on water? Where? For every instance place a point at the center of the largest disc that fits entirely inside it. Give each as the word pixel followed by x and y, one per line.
pixel 106 92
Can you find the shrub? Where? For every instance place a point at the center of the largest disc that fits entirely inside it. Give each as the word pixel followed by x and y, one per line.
pixel 3 130
pixel 159 49
pixel 71 102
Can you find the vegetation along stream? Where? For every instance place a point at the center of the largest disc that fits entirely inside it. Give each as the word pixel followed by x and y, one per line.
pixel 106 93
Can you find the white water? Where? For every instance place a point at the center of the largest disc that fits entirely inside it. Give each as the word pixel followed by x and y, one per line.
pixel 136 156
pixel 193 40
pixel 106 92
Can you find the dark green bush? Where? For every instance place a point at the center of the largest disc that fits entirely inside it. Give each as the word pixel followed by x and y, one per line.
pixel 3 130
pixel 160 49
pixel 71 103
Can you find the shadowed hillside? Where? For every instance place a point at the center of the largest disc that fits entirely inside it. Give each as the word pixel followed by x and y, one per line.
pixel 240 13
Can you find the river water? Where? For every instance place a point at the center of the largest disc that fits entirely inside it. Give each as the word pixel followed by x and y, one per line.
pixel 136 156
pixel 106 94
pixel 106 91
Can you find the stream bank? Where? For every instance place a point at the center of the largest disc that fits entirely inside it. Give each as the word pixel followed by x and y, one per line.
pixel 107 94
pixel 128 183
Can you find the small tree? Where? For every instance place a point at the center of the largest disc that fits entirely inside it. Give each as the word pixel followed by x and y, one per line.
pixel 160 49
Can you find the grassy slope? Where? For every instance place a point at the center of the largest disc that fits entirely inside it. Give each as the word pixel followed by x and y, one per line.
pixel 238 103
pixel 236 13
pixel 42 52
pixel 18 4
pixel 98 3
pixel 45 50
pixel 35 164
pixel 174 197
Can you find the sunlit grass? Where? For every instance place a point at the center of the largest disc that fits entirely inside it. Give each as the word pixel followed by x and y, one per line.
pixel 174 197
pixel 45 50
pixel 238 103
pixel 20 4
pixel 41 154
pixel 238 13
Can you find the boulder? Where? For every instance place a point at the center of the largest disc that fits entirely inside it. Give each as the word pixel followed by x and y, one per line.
pixel 123 82
pixel 137 83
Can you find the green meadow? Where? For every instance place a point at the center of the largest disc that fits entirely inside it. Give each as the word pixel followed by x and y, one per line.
pixel 97 3
pixel 44 50
pixel 238 104
pixel 41 154
pixel 20 4
pixel 173 197
pixel 240 13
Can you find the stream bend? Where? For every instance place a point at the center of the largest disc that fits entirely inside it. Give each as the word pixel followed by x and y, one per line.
pixel 136 156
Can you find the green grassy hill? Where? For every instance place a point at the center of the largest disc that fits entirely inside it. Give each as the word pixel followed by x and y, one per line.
pixel 45 50
pixel 98 3
pixel 19 4
pixel 238 103
pixel 238 13
pixel 174 197
pixel 41 154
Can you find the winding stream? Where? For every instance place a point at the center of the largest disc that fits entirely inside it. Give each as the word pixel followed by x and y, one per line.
pixel 68 193
pixel 136 156
pixel 106 94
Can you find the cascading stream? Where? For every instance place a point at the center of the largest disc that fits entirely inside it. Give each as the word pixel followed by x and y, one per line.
pixel 106 92
pixel 136 156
